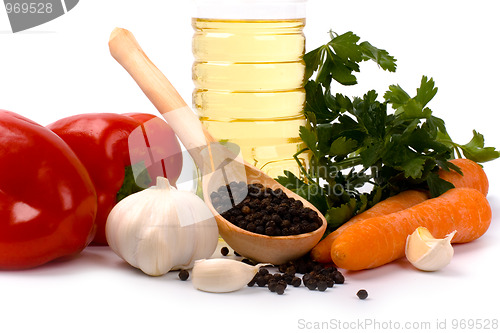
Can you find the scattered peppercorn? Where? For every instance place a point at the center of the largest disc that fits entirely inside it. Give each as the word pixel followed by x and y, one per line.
pixel 272 286
pixel 252 282
pixel 311 284
pixel 338 278
pixel 282 268
pixel 262 210
pixel 224 251
pixel 296 281
pixel 315 276
pixel 282 283
pixel 322 285
pixel 280 289
pixel 261 281
pixel 183 275
pixel 362 294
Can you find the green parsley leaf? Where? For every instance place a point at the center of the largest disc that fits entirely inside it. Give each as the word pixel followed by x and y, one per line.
pixel 438 186
pixel 336 216
pixel 476 151
pixel 340 57
pixel 311 192
pixel 342 146
pixel 309 137
pixel 381 57
pixel 413 167
pixel 426 92
pixel 316 103
pixel 396 96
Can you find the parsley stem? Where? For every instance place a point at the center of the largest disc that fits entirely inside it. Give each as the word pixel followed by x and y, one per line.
pixel 348 162
pixel 299 163
pixel 453 145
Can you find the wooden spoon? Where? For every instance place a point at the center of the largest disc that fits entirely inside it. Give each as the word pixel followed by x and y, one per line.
pixel 261 248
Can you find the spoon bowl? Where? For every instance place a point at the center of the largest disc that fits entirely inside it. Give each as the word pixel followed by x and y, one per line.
pixel 260 248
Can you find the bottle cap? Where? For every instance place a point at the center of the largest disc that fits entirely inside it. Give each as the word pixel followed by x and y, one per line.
pixel 250 9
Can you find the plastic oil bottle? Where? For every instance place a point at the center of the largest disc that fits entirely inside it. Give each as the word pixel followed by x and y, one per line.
pixel 249 74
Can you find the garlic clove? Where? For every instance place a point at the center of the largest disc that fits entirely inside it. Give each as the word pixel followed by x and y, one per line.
pixel 426 252
pixel 220 275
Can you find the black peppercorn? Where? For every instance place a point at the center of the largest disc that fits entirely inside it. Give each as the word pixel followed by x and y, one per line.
pixel 260 229
pixel 283 283
pixel 317 268
pixel 245 210
pixel 290 270
pixel 261 281
pixel 271 224
pixel 183 275
pixel 280 289
pixel 362 294
pixel 282 210
pixel 338 277
pixel 302 268
pixel 251 227
pixel 322 285
pixel 311 284
pixel 252 282
pixel 288 278
pixel 282 268
pixel 266 202
pixel 272 286
pixel 296 282
pixel 294 230
pixel 224 251
pixel 269 231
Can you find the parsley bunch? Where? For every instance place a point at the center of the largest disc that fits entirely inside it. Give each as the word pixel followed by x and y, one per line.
pixel 359 152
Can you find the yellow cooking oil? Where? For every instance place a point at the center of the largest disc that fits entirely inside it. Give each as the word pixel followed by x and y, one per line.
pixel 249 87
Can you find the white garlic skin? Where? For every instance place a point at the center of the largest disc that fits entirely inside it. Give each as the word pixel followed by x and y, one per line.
pixel 428 253
pixel 222 275
pixel 161 229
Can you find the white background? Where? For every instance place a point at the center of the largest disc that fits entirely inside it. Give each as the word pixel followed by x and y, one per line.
pixel 64 68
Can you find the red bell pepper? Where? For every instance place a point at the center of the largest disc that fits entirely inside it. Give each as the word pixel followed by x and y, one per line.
pixel 101 141
pixel 47 200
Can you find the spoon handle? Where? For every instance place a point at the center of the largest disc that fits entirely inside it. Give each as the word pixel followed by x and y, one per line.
pixel 128 53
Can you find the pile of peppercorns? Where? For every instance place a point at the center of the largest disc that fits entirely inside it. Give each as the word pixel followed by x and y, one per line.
pixel 264 211
pixel 315 276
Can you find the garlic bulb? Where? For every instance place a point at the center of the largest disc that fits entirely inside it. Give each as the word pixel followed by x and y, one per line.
pixel 426 252
pixel 222 275
pixel 161 229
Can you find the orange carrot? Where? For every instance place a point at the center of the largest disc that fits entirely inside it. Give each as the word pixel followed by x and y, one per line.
pixel 376 241
pixel 473 175
pixel 403 200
